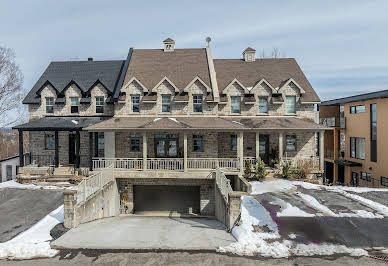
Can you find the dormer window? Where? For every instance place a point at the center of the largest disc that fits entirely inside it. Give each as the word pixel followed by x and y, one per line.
pixel 100 105
pixel 235 104
pixel 49 105
pixel 197 103
pixel 166 103
pixel 74 103
pixel 290 104
pixel 169 45
pixel 249 55
pixel 263 105
pixel 135 100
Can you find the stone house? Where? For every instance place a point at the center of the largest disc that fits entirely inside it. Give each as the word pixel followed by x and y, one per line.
pixel 164 118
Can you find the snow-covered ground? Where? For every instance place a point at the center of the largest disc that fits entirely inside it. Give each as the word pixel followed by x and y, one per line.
pixel 270 244
pixel 14 184
pixel 34 242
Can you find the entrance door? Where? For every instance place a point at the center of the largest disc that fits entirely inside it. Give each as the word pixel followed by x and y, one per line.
pixel 71 148
pixel 341 174
pixel 264 148
pixel 166 146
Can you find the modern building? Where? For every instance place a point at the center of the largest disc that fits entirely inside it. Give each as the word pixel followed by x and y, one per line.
pixel 164 118
pixel 355 145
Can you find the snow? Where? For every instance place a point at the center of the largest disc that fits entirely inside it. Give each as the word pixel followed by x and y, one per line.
pixel 157 119
pixel 174 119
pixel 288 210
pixel 74 122
pixel 326 249
pixel 236 122
pixel 14 184
pixel 312 202
pixel 34 242
pixel 371 204
pixel 270 186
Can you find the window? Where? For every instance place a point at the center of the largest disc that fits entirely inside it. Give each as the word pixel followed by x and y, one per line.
pixel 198 143
pixel 166 103
pixel 74 103
pixel 235 104
pixel 384 181
pixel 356 109
pixel 234 143
pixel 366 176
pixel 8 172
pixel 49 141
pixel 99 105
pixel 355 179
pixel 373 133
pixel 197 103
pixel 290 143
pixel 50 105
pixel 101 143
pixel 135 100
pixel 290 104
pixel 357 148
pixel 135 144
pixel 263 105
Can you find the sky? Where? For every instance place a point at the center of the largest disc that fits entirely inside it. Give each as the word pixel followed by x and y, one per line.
pixel 340 45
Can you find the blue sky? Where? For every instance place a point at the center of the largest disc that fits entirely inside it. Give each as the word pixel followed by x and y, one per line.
pixel 340 45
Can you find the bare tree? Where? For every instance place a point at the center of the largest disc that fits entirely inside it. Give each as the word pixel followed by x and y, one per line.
pixel 11 81
pixel 275 53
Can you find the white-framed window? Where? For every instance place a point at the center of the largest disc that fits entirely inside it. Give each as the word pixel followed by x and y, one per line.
pixel 263 104
pixel 234 142
pixel 290 143
pixel 100 104
pixel 290 104
pixel 49 105
pixel 197 103
pixel 197 143
pixel 166 103
pixel 135 100
pixel 235 104
pixel 74 105
pixel 49 141
pixel 357 148
pixel 135 144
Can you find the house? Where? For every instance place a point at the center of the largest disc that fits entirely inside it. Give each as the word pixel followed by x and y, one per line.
pixel 10 167
pixel 164 118
pixel 355 141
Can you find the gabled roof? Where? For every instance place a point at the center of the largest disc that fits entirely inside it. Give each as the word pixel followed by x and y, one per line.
pixel 180 66
pixel 274 71
pixel 84 74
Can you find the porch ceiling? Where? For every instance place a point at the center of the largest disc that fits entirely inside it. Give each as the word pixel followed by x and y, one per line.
pixel 204 123
pixel 68 123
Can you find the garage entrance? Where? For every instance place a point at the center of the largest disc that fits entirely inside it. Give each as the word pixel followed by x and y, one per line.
pixel 180 199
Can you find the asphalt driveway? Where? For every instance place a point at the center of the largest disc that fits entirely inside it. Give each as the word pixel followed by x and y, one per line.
pixel 147 233
pixel 22 208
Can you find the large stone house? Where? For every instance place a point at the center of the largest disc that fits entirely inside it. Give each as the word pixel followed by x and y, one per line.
pixel 164 118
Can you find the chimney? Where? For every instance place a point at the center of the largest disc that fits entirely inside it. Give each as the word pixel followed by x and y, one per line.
pixel 169 45
pixel 90 58
pixel 249 55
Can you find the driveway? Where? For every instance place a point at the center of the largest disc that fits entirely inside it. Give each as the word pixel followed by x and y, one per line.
pixel 147 233
pixel 22 208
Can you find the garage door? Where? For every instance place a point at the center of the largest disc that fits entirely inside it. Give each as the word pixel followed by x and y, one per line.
pixel 181 199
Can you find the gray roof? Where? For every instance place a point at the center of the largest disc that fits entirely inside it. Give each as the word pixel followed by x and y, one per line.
pixel 84 74
pixel 64 123
pixel 356 98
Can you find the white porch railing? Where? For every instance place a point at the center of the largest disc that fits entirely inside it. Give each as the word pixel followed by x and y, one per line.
pixel 223 184
pixel 118 163
pixel 90 185
pixel 212 163
pixel 252 160
pixel 165 164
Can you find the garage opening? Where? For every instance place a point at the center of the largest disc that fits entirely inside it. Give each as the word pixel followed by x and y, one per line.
pixel 179 199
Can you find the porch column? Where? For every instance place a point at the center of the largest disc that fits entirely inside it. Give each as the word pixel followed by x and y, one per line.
pixel 240 150
pixel 281 149
pixel 321 151
pixel 257 145
pixel 185 151
pixel 96 144
pixel 90 151
pixel 110 145
pixel 56 155
pixel 21 152
pixel 144 151
pixel 336 141
pixel 77 148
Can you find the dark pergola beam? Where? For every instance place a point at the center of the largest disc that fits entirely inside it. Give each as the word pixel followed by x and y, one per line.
pixel 56 155
pixel 96 144
pixel 90 151
pixel 21 152
pixel 77 149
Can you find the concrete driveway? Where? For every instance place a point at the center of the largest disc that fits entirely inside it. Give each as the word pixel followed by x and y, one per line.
pixel 147 233
pixel 22 208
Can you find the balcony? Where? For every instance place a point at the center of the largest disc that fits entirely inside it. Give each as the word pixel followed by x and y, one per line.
pixel 333 121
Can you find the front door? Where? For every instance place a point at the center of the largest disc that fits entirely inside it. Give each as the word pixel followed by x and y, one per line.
pixel 264 148
pixel 71 148
pixel 166 146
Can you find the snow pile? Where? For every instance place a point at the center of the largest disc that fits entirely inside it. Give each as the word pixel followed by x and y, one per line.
pixel 371 204
pixel 34 242
pixel 288 210
pixel 313 203
pixel 270 186
pixel 254 243
pixel 14 184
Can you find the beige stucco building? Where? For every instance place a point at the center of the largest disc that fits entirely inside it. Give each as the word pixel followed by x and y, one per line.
pixel 355 145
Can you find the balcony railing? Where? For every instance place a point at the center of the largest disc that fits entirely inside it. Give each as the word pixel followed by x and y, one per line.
pixel 333 121
pixel 171 164
pixel 212 163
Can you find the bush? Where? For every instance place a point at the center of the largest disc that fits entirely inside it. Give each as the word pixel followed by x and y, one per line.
pixel 305 167
pixel 288 171
pixel 260 171
pixel 248 169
